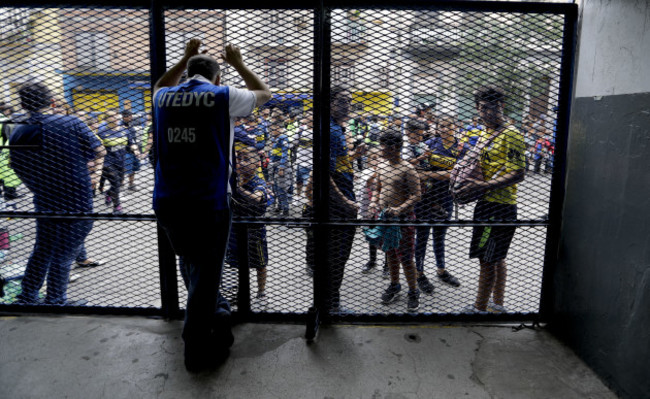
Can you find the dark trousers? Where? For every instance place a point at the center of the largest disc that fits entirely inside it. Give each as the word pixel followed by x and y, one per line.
pixel 339 247
pixel 423 213
pixel 200 239
pixel 58 242
pixel 114 173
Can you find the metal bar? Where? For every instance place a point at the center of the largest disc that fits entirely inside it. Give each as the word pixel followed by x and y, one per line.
pixel 91 216
pixel 90 310
pixel 558 181
pixel 462 223
pixel 322 49
pixel 488 6
pixel 301 224
pixel 451 5
pixel 166 255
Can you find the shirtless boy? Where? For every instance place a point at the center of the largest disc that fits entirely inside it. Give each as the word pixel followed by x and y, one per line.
pixel 398 190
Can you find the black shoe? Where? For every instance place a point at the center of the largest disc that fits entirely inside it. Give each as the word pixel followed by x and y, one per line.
pixel 368 267
pixel 449 279
pixel 2 287
pixel 222 330
pixel 425 285
pixel 11 194
pixel 201 359
pixel 413 301
pixel 89 263
pixel 391 293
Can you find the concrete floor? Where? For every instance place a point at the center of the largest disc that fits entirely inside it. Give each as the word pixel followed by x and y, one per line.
pixel 133 357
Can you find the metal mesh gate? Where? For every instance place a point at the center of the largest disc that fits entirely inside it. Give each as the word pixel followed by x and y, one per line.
pixel 340 216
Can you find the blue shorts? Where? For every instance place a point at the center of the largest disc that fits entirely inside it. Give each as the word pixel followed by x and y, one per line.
pixel 302 174
pixel 131 164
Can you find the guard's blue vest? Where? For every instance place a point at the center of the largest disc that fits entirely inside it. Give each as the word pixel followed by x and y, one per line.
pixel 193 146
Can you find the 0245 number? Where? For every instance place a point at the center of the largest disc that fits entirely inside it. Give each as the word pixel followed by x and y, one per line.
pixel 178 135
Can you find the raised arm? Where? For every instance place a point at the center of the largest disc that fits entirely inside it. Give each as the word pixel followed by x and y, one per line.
pixel 233 57
pixel 173 76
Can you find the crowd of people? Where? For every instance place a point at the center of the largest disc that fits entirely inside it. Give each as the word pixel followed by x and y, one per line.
pixel 279 141
pixel 366 178
pixel 284 138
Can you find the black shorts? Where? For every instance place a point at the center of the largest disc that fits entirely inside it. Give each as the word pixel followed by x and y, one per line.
pixel 491 243
pixel 258 255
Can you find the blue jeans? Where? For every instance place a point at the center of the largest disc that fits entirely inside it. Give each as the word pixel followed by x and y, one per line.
pixel 82 256
pixel 282 185
pixel 58 242
pixel 422 237
pixel 200 240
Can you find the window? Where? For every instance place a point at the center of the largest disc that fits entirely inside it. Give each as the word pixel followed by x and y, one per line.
pixel 343 74
pixel 385 77
pixel 93 50
pixel 276 73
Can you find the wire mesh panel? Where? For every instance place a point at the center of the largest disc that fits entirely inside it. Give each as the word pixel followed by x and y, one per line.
pixel 429 92
pixel 406 112
pixel 76 93
pixel 273 147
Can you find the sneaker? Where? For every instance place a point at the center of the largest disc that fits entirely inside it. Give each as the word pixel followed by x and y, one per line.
pixel 471 309
pixel 496 309
pixel 368 267
pixel 77 302
pixel 89 263
pixel 413 301
pixel 118 210
pixel 261 295
pixel 425 285
pixel 445 277
pixel 133 187
pixel 385 273
pixel 108 200
pixel 391 293
pixel 340 310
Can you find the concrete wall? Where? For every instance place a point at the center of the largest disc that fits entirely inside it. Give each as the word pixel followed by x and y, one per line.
pixel 602 282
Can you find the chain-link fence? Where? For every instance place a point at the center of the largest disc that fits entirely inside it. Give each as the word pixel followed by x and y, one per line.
pixel 373 109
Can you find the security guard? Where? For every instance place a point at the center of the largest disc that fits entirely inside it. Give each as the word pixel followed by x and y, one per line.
pixel 193 136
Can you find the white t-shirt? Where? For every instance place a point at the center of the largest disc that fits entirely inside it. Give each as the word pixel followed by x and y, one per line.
pixel 305 144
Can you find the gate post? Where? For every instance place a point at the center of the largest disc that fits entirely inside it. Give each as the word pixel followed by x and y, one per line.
pixel 322 52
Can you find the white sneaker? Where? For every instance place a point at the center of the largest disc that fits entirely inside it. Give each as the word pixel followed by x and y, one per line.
pixel 496 309
pixel 471 309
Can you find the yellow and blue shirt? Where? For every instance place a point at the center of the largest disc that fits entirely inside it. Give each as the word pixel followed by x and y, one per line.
pixel 505 154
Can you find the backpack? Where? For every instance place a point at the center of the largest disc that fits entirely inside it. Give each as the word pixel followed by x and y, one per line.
pixel 467 168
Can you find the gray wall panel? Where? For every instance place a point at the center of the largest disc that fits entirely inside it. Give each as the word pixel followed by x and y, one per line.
pixel 602 282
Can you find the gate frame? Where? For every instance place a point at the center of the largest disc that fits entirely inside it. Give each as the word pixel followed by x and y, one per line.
pixel 321 83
